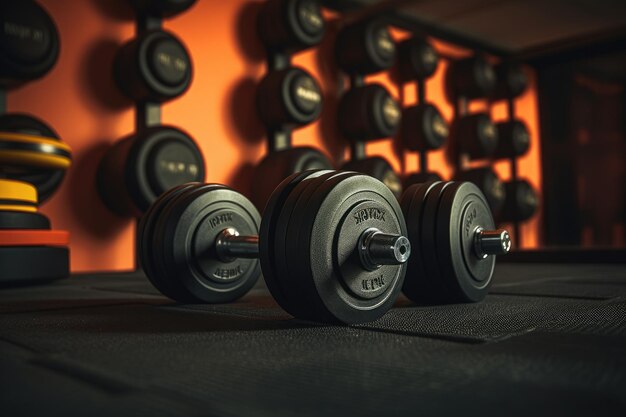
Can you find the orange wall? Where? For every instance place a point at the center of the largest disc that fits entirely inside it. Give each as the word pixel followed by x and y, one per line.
pixel 79 99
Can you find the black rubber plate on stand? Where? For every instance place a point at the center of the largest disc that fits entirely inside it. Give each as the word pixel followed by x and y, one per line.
pixel 23 220
pixel 18 267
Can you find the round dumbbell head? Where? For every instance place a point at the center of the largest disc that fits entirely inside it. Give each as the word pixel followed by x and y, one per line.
pixel 137 169
pixel 423 128
pixel 513 139
pixel 417 59
pixel 178 247
pixel 277 166
pixel 289 97
pixel 365 47
pixel 521 201
pixel 290 26
pixel 161 8
pixel 421 178
pixel 489 184
pixel 476 135
pixel 155 66
pixel 472 77
pixel 368 113
pixel 324 218
pixel 30 151
pixel 29 42
pixel 378 168
pixel 511 81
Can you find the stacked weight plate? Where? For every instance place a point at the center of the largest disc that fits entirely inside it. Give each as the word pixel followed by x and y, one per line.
pixel 29 250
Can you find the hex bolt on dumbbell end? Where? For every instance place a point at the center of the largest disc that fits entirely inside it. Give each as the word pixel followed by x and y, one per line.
pixel 377 249
pixel 491 242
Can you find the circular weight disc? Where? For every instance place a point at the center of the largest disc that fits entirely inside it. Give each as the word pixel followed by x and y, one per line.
pixel 462 210
pixel 268 250
pixel 18 193
pixel 305 95
pixel 325 239
pixel 10 220
pixel 428 237
pixel 189 229
pixel 418 286
pixel 285 242
pixel 146 241
pixel 18 267
pixel 47 181
pixel 421 178
pixel 34 151
pixel 34 238
pixel 378 168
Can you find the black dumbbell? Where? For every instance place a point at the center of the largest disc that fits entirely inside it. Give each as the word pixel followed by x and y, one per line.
pixel 161 8
pixel 490 185
pixel 31 151
pixel 472 77
pixel 420 178
pixel 423 128
pixel 153 67
pixel 454 240
pixel 365 47
pixel 331 245
pixel 521 201
pixel 368 113
pixel 513 139
pixel 511 81
pixel 417 59
pixel 29 42
pixel 475 135
pixel 140 167
pixel 289 26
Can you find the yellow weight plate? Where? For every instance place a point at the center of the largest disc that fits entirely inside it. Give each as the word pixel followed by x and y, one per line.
pixel 34 158
pixel 33 150
pixel 12 190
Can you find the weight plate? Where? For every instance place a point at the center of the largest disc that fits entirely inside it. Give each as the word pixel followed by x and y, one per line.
pixel 10 220
pixel 513 139
pixel 29 42
pixel 269 249
pixel 368 112
pixel 45 180
pixel 521 201
pixel 430 211
pixel 33 151
pixel 276 166
pixel 417 59
pixel 17 192
pixel 17 266
pixel 463 209
pixel 512 81
pixel 309 16
pixel 419 286
pixel 187 233
pixel 286 271
pixel 423 128
pixel 34 238
pixel 420 178
pixel 378 168
pixel 328 262
pixel 150 263
pixel 365 47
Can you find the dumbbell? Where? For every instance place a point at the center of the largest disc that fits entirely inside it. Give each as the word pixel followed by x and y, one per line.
pixel 475 135
pixel 25 236
pixel 332 245
pixel 489 183
pixel 31 151
pixel 365 47
pixel 161 8
pixel 521 201
pixel 153 67
pixel 511 81
pixel 29 42
pixel 423 128
pixel 454 242
pixel 513 139
pixel 472 77
pixel 287 97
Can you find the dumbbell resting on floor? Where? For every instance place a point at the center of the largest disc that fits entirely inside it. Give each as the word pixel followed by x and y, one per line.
pixel 199 243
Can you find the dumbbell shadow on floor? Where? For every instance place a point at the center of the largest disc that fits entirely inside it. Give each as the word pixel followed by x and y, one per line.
pixel 333 246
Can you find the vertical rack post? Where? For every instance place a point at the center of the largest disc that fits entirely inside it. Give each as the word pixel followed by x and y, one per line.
pixel 421 99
